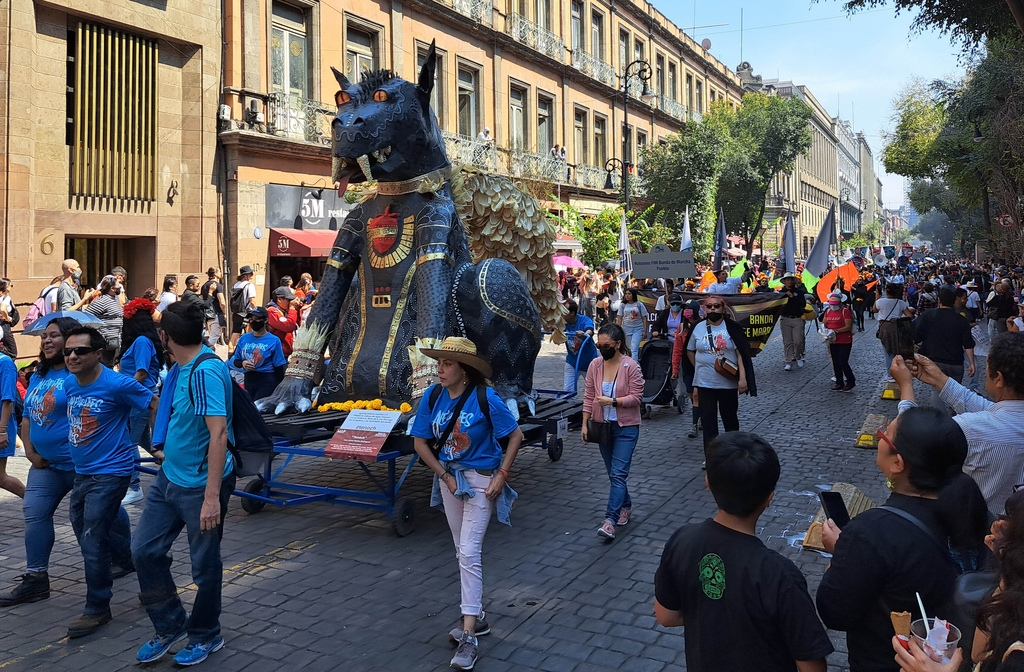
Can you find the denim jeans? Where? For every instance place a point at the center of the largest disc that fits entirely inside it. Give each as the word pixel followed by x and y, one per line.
pixel 104 532
pixel 141 435
pixel 169 508
pixel 633 337
pixel 45 490
pixel 617 457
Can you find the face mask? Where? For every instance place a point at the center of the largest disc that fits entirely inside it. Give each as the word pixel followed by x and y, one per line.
pixel 676 307
pixel 77 275
pixel 835 306
pixel 607 351
pixel 257 325
pixel 117 290
pixel 688 313
pixel 713 316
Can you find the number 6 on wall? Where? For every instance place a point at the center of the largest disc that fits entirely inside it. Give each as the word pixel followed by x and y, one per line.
pixel 46 245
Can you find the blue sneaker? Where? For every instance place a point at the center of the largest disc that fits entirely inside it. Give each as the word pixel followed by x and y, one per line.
pixel 193 654
pixel 155 648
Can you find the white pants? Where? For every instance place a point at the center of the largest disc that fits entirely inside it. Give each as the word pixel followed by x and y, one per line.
pixel 213 326
pixel 468 521
pixel 571 381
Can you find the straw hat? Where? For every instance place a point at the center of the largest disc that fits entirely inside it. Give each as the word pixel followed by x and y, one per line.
pixel 461 350
pixel 789 274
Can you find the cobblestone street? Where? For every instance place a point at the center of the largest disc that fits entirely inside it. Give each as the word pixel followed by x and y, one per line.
pixel 322 587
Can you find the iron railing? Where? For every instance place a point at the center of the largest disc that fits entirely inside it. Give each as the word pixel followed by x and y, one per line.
pixel 672 107
pixel 694 115
pixel 529 33
pixel 591 65
pixel 299 118
pixel 537 166
pixel 635 87
pixel 594 177
pixel 479 10
pixel 470 151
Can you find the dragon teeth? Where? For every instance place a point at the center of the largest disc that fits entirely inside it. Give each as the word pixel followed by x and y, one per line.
pixel 364 165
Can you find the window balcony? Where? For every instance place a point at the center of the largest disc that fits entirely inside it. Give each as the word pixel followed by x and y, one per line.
pixel 532 166
pixel 470 151
pixel 673 108
pixel 529 33
pixel 594 177
pixel 589 64
pixel 299 118
pixel 694 115
pixel 480 11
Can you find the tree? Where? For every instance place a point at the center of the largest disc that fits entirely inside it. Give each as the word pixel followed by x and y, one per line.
pixel 682 173
pixel 599 235
pixel 920 118
pixel 936 228
pixel 766 135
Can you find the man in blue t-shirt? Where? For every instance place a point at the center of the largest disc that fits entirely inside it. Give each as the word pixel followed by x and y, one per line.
pixel 579 346
pixel 260 354
pixel 193 428
pixel 99 405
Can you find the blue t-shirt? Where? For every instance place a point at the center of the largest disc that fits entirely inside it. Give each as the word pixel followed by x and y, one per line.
pixel 46 407
pixel 471 443
pixel 588 350
pixel 187 445
pixel 141 356
pixel 98 422
pixel 9 392
pixel 264 351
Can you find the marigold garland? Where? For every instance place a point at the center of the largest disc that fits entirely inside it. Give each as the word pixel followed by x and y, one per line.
pixel 362 405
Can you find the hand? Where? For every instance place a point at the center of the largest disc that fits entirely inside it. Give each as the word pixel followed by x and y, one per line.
pixel 741 387
pixel 450 481
pixel 675 376
pixel 929 373
pixel 209 515
pixel 37 460
pixel 583 433
pixel 997 531
pixel 158 456
pixel 496 485
pixel 4 439
pixel 970 370
pixel 916 660
pixel 900 373
pixel 604 401
pixel 248 365
pixel 829 535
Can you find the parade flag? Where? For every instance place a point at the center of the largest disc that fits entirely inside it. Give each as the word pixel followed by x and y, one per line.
pixel 625 258
pixel 721 241
pixel 686 243
pixel 788 253
pixel 848 273
pixel 705 281
pixel 817 260
pixel 809 279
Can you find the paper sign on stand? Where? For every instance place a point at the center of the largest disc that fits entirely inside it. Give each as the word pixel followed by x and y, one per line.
pixel 362 435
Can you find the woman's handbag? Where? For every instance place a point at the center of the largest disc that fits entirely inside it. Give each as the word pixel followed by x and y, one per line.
pixel 599 432
pixel 723 366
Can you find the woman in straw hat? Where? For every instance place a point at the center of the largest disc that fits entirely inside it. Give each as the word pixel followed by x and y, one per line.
pixel 463 418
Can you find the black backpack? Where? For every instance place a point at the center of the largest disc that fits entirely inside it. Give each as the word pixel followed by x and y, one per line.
pixel 239 304
pixel 481 400
pixel 251 432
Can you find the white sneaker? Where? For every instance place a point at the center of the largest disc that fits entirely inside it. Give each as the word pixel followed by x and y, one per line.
pixel 132 496
pixel 787 367
pixel 800 363
pixel 833 379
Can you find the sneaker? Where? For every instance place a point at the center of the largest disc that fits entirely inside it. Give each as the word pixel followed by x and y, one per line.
pixel 849 386
pixel 800 363
pixel 34 586
pixel 155 648
pixel 133 495
pixel 607 530
pixel 465 655
pixel 837 388
pixel 193 654
pixel 120 571
pixel 624 515
pixel 693 432
pixel 833 379
pixel 787 367
pixel 86 624
pixel 479 630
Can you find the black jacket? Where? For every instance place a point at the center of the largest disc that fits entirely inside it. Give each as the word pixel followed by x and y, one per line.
pixel 742 347
pixel 795 304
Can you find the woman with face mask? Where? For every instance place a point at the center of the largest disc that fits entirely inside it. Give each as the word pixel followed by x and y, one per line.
pixel 633 319
pixel 682 369
pixel 261 355
pixel 723 369
pixel 614 388
pixel 106 305
pixel 839 319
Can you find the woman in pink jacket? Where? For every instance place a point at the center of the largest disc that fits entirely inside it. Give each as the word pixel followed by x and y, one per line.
pixel 613 390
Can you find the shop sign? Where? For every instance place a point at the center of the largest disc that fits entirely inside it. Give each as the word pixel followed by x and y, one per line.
pixel 291 207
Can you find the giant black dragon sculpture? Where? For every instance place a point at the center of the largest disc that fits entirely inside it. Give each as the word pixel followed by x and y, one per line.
pixel 400 276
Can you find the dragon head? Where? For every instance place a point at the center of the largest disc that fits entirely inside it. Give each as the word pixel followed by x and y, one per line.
pixel 385 129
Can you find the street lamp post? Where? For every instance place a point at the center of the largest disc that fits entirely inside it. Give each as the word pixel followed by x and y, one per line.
pixel 610 166
pixel 641 71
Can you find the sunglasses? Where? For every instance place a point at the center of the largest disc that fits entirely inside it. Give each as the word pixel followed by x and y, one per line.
pixel 881 435
pixel 714 305
pixel 81 351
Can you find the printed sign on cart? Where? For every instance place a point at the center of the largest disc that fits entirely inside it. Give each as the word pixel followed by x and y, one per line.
pixel 362 435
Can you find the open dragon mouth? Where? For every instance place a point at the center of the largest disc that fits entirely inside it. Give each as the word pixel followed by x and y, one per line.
pixel 359 169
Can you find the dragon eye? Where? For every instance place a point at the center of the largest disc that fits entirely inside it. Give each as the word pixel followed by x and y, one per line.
pixel 341 98
pixel 380 95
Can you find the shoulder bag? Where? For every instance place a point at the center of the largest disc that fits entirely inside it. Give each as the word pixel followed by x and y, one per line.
pixel 723 366
pixel 435 446
pixel 600 431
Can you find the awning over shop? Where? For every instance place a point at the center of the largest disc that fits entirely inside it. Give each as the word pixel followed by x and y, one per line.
pixel 301 242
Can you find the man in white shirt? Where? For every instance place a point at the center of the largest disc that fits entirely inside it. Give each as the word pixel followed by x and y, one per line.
pixel 897 278
pixel 725 285
pixel 485 135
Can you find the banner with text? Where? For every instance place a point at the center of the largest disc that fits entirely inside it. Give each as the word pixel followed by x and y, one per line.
pixel 665 264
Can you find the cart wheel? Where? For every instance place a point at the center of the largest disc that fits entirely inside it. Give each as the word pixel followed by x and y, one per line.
pixel 554 449
pixel 253 487
pixel 403 517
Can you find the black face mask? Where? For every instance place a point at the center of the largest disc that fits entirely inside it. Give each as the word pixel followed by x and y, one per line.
pixel 607 351
pixel 257 325
pixel 713 316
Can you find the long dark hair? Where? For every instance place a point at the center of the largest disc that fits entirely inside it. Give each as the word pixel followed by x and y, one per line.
pixel 1001 616
pixel 615 332
pixel 141 325
pixel 65 324
pixel 935 447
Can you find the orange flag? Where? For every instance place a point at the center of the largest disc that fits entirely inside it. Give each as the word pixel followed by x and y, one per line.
pixel 849 274
pixel 705 282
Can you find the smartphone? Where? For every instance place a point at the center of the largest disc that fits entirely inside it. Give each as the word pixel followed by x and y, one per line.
pixel 835 508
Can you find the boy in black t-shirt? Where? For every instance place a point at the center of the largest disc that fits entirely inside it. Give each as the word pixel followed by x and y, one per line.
pixel 744 606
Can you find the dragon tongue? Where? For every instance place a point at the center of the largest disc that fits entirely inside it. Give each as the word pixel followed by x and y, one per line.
pixel 342 184
pixel 364 165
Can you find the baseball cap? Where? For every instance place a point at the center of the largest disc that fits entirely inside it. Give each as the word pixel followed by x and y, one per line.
pixel 259 312
pixel 284 293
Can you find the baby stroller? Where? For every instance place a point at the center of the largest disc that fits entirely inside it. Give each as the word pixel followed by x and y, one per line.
pixel 656 364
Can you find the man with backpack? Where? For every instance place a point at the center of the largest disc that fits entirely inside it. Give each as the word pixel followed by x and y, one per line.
pixel 243 299
pixel 191 437
pixel 212 292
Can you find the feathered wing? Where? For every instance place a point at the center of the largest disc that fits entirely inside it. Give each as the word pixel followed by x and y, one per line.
pixel 503 222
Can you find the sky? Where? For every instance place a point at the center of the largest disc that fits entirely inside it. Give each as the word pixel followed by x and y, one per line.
pixel 854 65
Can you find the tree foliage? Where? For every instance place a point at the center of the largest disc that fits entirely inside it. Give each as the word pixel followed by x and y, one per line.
pixel 599 235
pixel 920 118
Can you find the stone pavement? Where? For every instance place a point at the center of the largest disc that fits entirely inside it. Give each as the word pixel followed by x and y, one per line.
pixel 323 587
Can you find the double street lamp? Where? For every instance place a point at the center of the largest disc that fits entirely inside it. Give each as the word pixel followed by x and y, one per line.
pixel 639 71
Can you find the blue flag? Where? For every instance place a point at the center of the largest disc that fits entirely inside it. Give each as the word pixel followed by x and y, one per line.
pixel 721 241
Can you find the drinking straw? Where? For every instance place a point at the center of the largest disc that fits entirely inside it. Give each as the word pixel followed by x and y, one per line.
pixel 923 615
